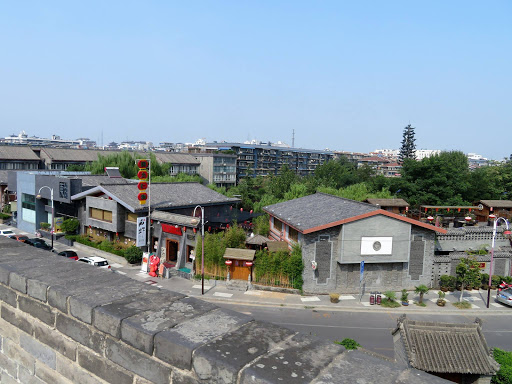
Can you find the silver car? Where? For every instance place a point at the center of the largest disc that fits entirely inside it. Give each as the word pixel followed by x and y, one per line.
pixel 505 296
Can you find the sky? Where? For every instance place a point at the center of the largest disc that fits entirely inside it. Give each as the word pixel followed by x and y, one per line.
pixel 347 76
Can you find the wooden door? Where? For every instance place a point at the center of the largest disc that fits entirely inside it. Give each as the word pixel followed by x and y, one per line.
pixel 239 271
pixel 172 250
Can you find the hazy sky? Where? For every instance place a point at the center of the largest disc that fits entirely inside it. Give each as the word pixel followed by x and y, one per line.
pixel 345 75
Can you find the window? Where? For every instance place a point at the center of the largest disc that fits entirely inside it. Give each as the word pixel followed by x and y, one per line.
pixel 293 234
pixel 28 201
pixel 131 217
pixel 278 225
pixel 99 214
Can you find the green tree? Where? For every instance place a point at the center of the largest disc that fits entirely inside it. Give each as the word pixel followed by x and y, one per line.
pixel 336 173
pixel 421 290
pixel 468 273
pixel 70 226
pixel 504 358
pixel 408 148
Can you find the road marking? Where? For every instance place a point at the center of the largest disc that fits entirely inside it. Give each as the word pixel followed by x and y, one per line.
pixel 255 293
pixel 150 282
pixel 116 265
pixel 366 304
pixel 496 305
pixel 471 299
pixel 222 294
pixel 347 297
pixel 121 272
pixel 199 287
pixel 473 306
pixel 159 286
pixel 313 298
pixel 247 313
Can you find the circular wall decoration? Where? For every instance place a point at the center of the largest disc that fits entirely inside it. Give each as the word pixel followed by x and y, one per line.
pixel 377 246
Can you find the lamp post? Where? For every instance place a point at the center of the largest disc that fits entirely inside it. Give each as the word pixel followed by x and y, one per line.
pixel 202 245
pixel 506 232
pixel 53 211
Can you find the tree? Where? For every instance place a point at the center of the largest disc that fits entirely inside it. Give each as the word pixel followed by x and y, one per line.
pixel 408 148
pixel 421 290
pixel 468 272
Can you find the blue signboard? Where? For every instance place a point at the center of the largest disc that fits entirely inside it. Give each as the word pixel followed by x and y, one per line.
pixel 361 271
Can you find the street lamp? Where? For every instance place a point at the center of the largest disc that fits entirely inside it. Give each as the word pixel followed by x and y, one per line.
pixel 202 245
pixel 38 196
pixel 506 232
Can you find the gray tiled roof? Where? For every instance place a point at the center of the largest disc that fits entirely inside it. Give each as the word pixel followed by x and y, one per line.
pixel 317 210
pixel 446 347
pixel 497 203
pixel 3 177
pixel 169 195
pixel 77 155
pixel 94 180
pixel 176 158
pixel 15 152
pixel 388 202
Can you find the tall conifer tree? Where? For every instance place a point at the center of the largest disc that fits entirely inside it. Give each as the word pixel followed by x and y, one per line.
pixel 408 148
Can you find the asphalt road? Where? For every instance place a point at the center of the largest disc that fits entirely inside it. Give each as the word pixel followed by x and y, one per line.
pixel 371 330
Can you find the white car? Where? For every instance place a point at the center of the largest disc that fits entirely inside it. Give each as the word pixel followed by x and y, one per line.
pixel 6 232
pixel 95 260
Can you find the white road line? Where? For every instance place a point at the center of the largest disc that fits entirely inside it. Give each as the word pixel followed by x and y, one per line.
pixel 313 298
pixel 159 286
pixel 365 303
pixel 496 305
pixel 222 294
pixel 254 293
pixel 471 299
pixel 116 265
pixel 121 272
pixel 347 297
pixel 199 287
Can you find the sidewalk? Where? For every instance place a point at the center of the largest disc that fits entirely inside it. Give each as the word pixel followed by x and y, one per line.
pixel 216 291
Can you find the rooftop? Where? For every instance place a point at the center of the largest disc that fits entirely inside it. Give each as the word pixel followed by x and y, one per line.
pixel 388 202
pixel 14 152
pixel 446 347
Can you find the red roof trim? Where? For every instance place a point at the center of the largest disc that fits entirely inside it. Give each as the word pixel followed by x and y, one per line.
pixel 375 213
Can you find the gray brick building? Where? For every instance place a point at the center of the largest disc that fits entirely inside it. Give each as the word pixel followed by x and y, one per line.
pixel 336 234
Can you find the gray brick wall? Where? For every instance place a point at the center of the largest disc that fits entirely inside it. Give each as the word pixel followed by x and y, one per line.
pixel 75 334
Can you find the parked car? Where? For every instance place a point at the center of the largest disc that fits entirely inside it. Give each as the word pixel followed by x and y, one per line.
pixel 38 243
pixel 69 254
pixel 505 297
pixel 96 260
pixel 21 238
pixel 6 232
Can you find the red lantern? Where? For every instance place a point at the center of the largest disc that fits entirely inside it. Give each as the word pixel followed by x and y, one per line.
pixel 250 211
pixel 195 230
pixel 184 229
pixel 425 210
pixel 469 209
pixel 491 216
pixel 458 210
pixel 229 262
pixel 448 210
pixel 430 218
pixel 506 232
pixel 227 226
pixel 209 229
pixel 117 234
pixel 437 209
pixel 241 209
pixel 230 207
pixel 467 218
pixel 248 264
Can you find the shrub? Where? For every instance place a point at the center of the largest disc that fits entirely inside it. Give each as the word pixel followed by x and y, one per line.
pixel 7 208
pixel 70 226
pixel 45 226
pixel 133 255
pixel 390 295
pixel 507 279
pixel 405 296
pixel 335 297
pixel 4 216
pixel 348 343
pixel 445 281
pixel 421 290
pixel 485 278
pixel 496 280
pixel 504 358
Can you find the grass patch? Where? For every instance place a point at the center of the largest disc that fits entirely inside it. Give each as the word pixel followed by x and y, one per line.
pixel 348 343
pixel 420 304
pixel 462 305
pixel 389 303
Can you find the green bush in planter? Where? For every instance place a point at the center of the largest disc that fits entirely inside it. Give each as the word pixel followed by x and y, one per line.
pixel 496 280
pixel 70 226
pixel 445 281
pixel 45 226
pixel 507 279
pixel 4 216
pixel 133 255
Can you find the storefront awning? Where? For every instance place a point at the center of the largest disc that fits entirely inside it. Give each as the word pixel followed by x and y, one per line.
pixel 239 254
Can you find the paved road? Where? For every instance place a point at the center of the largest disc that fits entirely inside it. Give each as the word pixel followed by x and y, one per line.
pixel 371 330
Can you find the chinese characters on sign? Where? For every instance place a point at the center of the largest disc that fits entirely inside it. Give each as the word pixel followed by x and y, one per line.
pixel 141 231
pixel 63 190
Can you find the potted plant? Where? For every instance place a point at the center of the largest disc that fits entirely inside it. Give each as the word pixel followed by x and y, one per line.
pixel 335 297
pixel 441 301
pixel 421 290
pixel 404 297
pixel 444 282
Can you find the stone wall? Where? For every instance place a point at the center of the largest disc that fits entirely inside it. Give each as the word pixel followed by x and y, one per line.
pixel 67 322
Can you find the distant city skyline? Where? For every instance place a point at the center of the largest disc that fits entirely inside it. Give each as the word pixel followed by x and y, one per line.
pixel 347 76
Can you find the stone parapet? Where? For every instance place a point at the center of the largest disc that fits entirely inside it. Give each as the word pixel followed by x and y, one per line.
pixel 68 322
